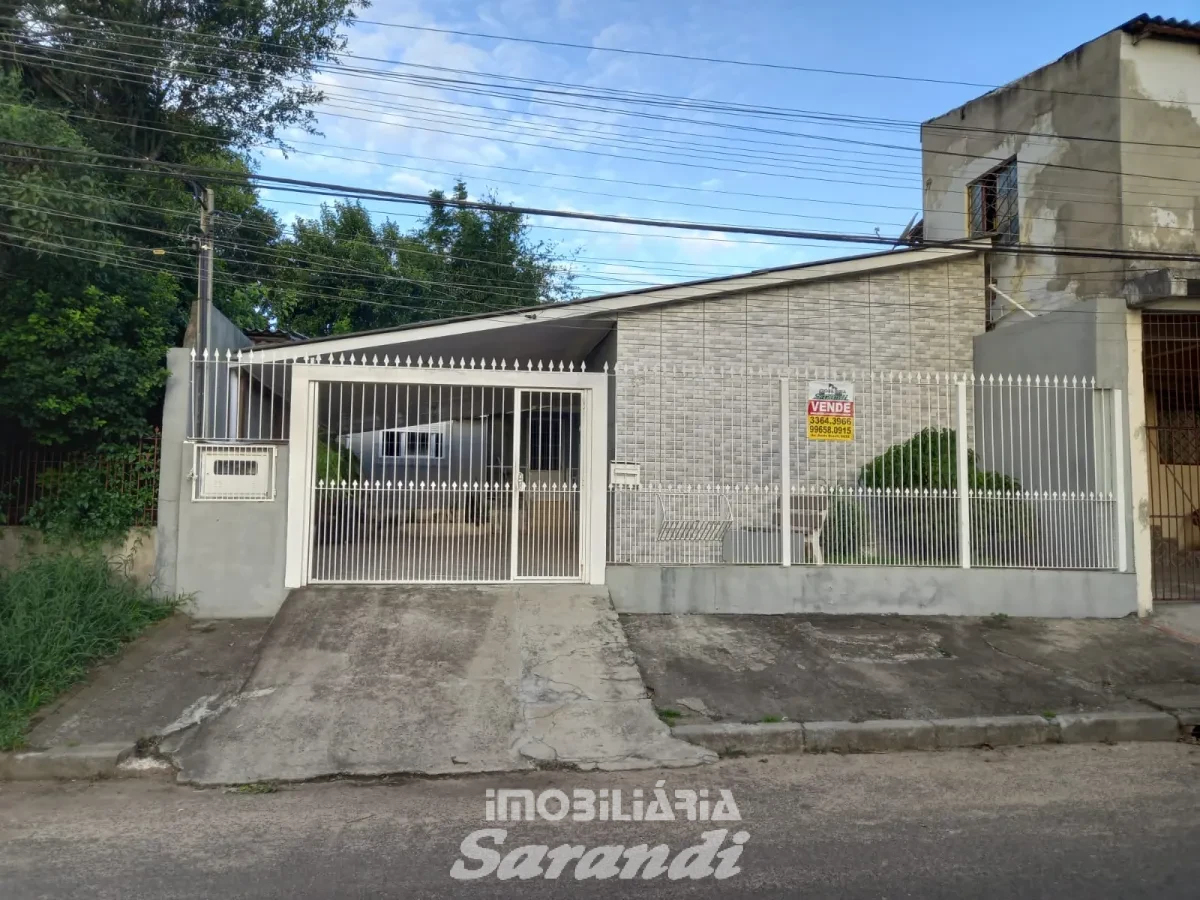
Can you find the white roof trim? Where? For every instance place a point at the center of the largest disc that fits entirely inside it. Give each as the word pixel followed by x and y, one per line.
pixel 609 304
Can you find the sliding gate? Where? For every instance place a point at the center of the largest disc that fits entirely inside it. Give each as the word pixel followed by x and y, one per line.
pixel 446 475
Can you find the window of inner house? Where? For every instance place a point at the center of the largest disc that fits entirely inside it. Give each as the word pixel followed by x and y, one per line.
pixel 992 204
pixel 424 444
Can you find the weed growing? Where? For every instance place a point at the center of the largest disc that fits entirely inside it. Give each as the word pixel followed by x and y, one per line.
pixel 59 615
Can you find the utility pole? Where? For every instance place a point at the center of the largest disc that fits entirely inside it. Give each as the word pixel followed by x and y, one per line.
pixel 204 281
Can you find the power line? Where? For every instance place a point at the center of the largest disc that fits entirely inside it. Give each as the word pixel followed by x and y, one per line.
pixel 816 318
pixel 172 37
pixel 746 63
pixel 598 305
pixel 826 118
pixel 309 186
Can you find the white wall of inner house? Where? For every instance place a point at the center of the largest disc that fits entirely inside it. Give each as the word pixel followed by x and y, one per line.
pixel 713 423
pixel 712 419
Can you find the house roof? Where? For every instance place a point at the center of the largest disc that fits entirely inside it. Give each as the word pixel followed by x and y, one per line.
pixel 607 306
pixel 1146 25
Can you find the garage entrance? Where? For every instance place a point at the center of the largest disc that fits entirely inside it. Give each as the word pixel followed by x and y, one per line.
pixel 446 475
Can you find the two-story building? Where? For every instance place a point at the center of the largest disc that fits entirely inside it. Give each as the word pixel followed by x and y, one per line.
pixel 1086 175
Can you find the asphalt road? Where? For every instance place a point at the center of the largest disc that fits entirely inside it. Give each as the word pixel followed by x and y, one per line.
pixel 1105 821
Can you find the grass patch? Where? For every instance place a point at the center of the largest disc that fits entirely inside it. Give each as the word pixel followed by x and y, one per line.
pixel 60 614
pixel 670 716
pixel 771 720
pixel 257 787
pixel 1049 715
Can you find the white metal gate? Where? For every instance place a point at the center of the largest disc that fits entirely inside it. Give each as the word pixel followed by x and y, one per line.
pixel 446 475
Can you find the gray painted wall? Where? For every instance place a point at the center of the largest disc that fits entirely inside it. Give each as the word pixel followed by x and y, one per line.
pixel 223 334
pixel 231 555
pixel 605 354
pixel 1086 340
pixel 468 454
pixel 228 555
pixel 1107 192
pixel 870 590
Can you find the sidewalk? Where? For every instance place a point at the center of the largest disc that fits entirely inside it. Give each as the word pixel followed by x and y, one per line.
pixel 819 668
pixel 158 683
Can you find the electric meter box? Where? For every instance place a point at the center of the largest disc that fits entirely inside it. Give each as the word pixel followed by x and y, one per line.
pixel 224 472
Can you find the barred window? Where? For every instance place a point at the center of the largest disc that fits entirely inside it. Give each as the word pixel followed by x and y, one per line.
pixel 1178 432
pixel 424 444
pixel 992 204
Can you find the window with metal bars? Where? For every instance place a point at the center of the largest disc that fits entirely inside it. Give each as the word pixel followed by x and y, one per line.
pixel 992 204
pixel 1178 428
pixel 420 444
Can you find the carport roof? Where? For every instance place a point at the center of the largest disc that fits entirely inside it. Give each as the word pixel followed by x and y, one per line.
pixel 544 334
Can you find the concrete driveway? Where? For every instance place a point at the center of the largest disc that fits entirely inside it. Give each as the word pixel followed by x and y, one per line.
pixel 434 680
pixel 822 667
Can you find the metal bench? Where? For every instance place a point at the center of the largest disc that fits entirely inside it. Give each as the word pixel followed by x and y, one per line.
pixel 809 513
pixel 692 516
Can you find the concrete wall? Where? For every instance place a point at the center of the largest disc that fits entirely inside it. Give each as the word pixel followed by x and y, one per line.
pixel 1088 173
pixel 223 334
pixel 1040 124
pixel 228 555
pixel 1160 185
pixel 1087 340
pixel 773 590
pixel 134 555
pixel 231 555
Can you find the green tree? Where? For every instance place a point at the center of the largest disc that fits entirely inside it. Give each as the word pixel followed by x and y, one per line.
pixel 142 71
pixel 486 259
pixel 83 363
pixel 342 272
pixel 182 81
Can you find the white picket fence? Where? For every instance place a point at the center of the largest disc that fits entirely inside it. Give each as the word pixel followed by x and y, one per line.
pixel 943 469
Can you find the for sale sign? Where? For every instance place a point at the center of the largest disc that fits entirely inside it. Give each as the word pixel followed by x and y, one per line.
pixel 831 410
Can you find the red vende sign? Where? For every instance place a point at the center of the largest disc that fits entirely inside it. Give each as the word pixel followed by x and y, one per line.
pixel 831 407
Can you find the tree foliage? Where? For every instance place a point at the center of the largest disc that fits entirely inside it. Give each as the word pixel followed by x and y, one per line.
pixel 142 71
pixel 98 256
pixel 342 272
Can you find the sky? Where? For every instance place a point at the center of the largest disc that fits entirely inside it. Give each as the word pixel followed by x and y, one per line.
pixel 408 124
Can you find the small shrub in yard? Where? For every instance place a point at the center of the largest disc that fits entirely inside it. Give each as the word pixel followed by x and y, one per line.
pixel 59 615
pixel 844 535
pixel 915 515
pixel 81 505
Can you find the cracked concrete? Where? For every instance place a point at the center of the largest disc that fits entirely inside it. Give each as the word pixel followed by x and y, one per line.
pixel 434 680
pixel 172 675
pixel 855 668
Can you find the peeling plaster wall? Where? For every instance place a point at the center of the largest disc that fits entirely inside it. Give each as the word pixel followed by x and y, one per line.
pixel 1163 211
pixel 1038 119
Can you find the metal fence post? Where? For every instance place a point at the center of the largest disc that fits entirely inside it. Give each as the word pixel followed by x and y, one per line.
pixel 1119 479
pixel 785 473
pixel 964 494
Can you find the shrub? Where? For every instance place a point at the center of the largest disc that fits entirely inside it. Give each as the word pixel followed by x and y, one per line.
pixel 844 536
pixel 929 459
pixel 335 463
pixel 924 527
pixel 60 614
pixel 93 500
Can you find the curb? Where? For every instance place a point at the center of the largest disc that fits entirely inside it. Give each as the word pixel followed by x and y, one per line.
pixel 65 763
pixel 892 735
